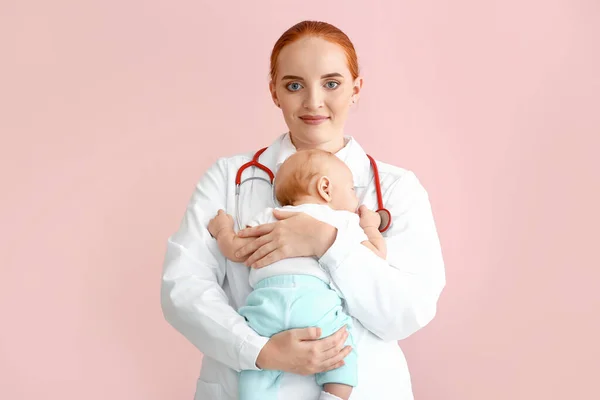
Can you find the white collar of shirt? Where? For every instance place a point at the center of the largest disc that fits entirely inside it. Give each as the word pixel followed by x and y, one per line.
pixel 352 154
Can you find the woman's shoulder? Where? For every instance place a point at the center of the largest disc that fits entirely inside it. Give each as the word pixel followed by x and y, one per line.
pixel 390 174
pixel 399 181
pixel 220 168
pixel 394 171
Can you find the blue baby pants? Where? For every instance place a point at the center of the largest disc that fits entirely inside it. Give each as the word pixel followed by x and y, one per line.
pixel 286 302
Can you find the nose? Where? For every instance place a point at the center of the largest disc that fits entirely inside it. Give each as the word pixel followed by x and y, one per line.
pixel 313 99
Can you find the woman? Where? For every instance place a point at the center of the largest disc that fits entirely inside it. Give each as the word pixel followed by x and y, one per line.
pixel 314 81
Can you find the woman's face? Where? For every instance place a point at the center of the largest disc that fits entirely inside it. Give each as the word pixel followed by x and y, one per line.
pixel 314 89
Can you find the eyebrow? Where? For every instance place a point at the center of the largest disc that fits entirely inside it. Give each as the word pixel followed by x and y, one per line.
pixel 299 78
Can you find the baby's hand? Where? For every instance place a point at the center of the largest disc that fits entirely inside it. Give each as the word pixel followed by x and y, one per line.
pixel 368 218
pixel 220 222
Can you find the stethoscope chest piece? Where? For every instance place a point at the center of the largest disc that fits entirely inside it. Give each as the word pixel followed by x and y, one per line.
pixel 386 219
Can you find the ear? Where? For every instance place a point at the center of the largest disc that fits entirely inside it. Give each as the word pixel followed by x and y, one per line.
pixel 356 89
pixel 274 93
pixel 324 188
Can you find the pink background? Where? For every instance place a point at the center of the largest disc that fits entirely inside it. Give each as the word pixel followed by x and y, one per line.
pixel 107 109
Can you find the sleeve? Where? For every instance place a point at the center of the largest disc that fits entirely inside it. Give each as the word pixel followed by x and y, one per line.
pixel 354 229
pixel 192 298
pixel 393 298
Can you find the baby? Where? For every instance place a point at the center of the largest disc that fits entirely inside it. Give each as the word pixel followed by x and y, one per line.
pixel 297 292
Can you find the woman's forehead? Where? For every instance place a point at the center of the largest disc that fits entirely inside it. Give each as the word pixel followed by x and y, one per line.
pixel 311 58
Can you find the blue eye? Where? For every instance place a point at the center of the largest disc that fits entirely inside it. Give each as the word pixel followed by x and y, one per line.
pixel 294 87
pixel 332 84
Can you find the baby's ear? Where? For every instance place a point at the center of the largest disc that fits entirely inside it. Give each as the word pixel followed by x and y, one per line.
pixel 324 188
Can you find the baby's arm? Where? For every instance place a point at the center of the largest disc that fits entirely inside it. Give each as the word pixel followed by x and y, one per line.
pixel 369 222
pixel 376 242
pixel 221 228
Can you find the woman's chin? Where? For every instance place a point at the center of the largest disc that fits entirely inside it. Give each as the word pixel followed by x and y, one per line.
pixel 317 133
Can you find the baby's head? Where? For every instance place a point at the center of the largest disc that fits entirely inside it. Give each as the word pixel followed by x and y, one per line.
pixel 316 176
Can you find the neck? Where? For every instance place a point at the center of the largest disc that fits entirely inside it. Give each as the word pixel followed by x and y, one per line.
pixel 333 146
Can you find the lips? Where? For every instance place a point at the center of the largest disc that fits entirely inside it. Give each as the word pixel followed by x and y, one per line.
pixel 313 119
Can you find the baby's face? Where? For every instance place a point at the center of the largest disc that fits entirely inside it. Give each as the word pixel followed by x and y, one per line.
pixel 343 196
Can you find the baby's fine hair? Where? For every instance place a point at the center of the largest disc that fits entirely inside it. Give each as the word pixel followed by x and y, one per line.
pixel 296 174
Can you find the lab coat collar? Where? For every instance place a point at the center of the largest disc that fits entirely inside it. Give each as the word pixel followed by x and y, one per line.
pixel 352 154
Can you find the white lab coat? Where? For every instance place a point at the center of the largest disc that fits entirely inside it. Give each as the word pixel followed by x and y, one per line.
pixel 388 299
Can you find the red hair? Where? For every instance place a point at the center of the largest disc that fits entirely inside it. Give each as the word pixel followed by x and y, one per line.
pixel 316 29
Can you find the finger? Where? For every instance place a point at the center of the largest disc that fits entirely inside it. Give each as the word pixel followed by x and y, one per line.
pixel 270 258
pixel 337 361
pixel 338 365
pixel 255 231
pixel 311 333
pixel 333 340
pixel 284 214
pixel 329 354
pixel 261 252
pixel 251 247
pixel 337 341
pixel 221 211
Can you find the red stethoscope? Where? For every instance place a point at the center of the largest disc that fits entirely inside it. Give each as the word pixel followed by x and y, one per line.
pixel 386 217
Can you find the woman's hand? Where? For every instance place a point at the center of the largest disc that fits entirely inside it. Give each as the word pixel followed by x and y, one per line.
pixel 296 234
pixel 300 351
